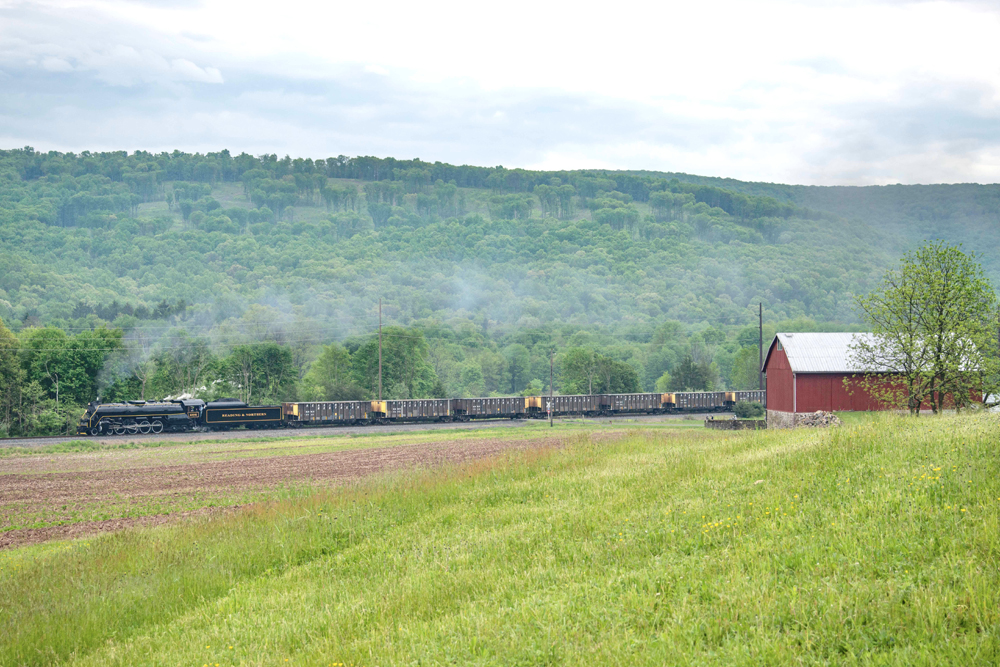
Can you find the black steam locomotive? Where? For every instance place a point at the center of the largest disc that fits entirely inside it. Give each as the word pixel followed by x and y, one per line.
pixel 135 417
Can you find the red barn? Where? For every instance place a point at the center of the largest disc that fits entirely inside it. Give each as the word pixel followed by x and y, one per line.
pixel 805 373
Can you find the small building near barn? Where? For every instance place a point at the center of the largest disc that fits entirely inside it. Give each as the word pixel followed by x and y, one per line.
pixel 806 372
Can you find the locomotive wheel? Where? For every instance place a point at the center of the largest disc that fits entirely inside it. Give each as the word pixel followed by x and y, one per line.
pixel 119 429
pixel 156 426
pixel 144 427
pixel 95 431
pixel 132 428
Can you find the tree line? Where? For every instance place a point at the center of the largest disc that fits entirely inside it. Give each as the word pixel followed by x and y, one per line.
pixel 48 375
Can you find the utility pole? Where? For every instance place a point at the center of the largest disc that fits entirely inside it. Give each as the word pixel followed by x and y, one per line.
pixel 552 363
pixel 760 346
pixel 380 349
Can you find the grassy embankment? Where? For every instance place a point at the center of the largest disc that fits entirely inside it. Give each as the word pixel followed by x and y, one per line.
pixel 871 544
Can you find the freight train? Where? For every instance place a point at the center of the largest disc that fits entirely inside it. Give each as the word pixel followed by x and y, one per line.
pixel 142 417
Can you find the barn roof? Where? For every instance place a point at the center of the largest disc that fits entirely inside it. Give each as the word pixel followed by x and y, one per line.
pixel 818 352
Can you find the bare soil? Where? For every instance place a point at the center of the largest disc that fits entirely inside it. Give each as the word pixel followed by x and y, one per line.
pixel 32 489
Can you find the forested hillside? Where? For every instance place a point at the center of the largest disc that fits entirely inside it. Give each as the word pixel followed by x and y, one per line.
pixel 967 213
pixel 642 279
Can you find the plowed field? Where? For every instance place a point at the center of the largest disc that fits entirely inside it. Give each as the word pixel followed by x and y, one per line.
pixel 55 496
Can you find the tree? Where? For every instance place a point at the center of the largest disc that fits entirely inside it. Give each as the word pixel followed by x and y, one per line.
pixel 619 217
pixel 691 375
pixel 745 374
pixel 933 326
pixel 380 213
pixel 579 367
pixel 188 361
pixel 47 358
pixel 264 370
pixel 276 370
pixel 472 380
pixel 241 371
pixel 585 371
pixel 406 371
pixel 139 351
pixel 534 388
pixel 616 377
pixel 329 378
pixel 494 368
pixel 565 194
pixel 663 383
pixel 11 378
pixel 91 351
pixel 67 366
pixel 518 360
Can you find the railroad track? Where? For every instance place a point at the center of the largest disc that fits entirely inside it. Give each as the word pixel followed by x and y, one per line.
pixel 200 436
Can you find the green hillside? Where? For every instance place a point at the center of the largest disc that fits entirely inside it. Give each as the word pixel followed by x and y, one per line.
pixel 967 213
pixel 653 278
pixel 517 248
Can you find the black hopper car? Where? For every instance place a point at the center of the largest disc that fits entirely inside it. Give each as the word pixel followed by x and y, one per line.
pixel 227 413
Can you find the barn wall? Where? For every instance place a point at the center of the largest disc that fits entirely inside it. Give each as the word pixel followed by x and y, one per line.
pixel 826 391
pixel 863 401
pixel 779 382
pixel 858 399
pixel 814 393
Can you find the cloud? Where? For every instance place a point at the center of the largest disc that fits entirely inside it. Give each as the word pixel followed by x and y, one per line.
pixel 53 64
pixel 76 40
pixel 886 92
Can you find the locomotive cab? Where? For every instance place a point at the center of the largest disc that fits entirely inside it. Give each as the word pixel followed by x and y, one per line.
pixel 83 428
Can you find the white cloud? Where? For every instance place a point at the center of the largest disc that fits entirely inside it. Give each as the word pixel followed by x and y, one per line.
pixel 831 91
pixel 53 64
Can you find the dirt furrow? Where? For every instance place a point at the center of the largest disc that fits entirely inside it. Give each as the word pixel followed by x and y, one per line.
pixel 44 494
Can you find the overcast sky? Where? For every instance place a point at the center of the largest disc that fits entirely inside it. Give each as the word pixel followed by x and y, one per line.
pixel 821 92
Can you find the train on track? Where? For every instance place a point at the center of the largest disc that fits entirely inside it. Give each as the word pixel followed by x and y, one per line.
pixel 143 417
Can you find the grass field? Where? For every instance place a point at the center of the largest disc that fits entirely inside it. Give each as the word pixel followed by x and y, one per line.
pixel 872 544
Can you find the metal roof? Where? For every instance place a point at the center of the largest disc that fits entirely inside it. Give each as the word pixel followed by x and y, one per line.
pixel 819 352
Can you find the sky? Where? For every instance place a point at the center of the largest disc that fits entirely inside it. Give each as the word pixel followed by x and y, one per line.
pixel 828 92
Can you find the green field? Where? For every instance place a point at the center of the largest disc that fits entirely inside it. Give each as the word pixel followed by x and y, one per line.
pixel 872 544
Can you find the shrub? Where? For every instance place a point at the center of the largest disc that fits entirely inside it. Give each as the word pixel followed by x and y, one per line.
pixel 745 410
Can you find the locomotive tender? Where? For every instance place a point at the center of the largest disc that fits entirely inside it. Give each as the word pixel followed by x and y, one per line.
pixel 134 417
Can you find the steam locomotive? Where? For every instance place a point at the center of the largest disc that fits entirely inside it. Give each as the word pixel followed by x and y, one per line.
pixel 134 417
pixel 142 417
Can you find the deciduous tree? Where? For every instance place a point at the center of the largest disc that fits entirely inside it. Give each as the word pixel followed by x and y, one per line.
pixel 933 323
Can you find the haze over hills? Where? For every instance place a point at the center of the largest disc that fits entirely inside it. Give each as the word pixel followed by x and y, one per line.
pixel 646 267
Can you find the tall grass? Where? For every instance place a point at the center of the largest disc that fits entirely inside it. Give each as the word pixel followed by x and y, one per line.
pixel 873 544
